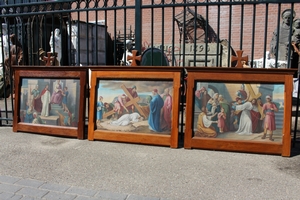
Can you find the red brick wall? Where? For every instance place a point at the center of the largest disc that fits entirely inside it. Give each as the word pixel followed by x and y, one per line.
pixel 247 40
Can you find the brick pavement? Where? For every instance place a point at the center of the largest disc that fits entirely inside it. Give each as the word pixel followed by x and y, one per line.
pixel 14 188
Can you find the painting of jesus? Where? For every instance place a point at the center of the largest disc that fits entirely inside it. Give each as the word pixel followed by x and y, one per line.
pixel 58 105
pixel 136 106
pixel 240 111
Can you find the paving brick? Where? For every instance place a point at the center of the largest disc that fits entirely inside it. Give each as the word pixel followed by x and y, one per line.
pixel 6 195
pixel 137 197
pixel 81 191
pixel 9 188
pixel 59 195
pixel 54 187
pixel 32 192
pixel 29 198
pixel 8 179
pixel 30 183
pixel 111 195
pixel 17 197
pixel 86 198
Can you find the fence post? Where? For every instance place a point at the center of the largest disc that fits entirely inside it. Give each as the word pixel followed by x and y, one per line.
pixel 138 25
pixel 0 117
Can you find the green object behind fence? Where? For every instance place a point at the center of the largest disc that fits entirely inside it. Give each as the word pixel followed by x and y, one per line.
pixel 159 58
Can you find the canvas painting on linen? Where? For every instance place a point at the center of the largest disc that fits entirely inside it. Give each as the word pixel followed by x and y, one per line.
pixel 50 101
pixel 238 111
pixel 134 106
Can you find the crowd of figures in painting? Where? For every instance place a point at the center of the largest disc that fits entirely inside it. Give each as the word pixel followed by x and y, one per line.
pixel 239 111
pixel 134 106
pixel 49 101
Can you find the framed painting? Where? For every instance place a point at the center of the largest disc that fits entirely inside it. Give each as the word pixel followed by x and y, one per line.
pixel 238 109
pixel 135 105
pixel 50 100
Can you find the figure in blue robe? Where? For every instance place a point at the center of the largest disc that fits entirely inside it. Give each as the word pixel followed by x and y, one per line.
pixel 100 107
pixel 65 99
pixel 29 115
pixel 155 107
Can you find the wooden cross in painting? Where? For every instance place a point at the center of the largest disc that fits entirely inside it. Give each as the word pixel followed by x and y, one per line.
pixel 240 59
pixel 134 58
pixel 256 96
pixel 48 59
pixel 132 101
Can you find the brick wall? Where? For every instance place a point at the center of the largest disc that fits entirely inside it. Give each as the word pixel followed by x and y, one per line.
pixel 166 31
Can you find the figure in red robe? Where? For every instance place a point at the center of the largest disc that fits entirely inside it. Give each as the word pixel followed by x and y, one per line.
pixel 221 120
pixel 167 110
pixel 36 101
pixel 269 125
pixel 256 117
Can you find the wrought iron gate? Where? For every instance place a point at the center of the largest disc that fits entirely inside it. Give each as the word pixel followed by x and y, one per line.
pixel 187 32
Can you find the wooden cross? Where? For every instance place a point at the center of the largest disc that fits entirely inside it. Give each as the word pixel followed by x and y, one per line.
pixel 239 58
pixel 134 58
pixel 132 101
pixel 251 92
pixel 109 113
pixel 48 59
pixel 256 96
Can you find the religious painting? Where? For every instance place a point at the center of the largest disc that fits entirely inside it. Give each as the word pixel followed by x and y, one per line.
pixel 239 111
pixel 50 103
pixel 144 106
pixel 134 109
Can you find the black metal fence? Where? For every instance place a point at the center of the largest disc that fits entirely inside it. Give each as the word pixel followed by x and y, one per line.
pixel 200 33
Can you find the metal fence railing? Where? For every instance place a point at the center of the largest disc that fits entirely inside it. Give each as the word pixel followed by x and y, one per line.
pixel 204 33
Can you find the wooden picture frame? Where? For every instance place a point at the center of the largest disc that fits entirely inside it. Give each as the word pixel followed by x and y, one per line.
pixel 210 123
pixel 57 110
pixel 133 87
